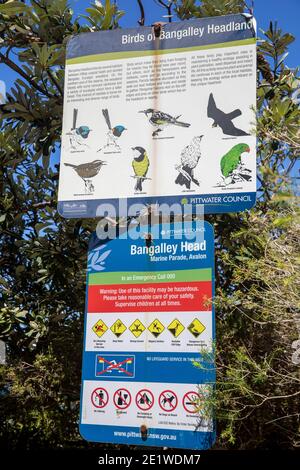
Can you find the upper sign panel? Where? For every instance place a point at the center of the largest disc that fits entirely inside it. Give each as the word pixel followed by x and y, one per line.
pixel 166 120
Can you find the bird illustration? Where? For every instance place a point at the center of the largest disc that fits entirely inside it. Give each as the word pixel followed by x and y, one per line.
pixel 140 165
pixel 86 171
pixel 114 133
pixel 161 120
pixel 232 167
pixel 190 156
pixel 78 134
pixel 224 120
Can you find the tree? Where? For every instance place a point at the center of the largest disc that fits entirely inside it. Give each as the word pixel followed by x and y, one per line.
pixel 43 256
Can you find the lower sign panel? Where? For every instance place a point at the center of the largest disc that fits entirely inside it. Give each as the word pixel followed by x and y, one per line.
pixel 148 363
pixel 162 407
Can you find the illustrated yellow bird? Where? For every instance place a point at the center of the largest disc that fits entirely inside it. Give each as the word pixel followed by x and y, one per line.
pixel 140 165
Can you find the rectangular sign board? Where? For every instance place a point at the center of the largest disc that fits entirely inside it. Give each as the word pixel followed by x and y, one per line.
pixel 154 121
pixel 149 320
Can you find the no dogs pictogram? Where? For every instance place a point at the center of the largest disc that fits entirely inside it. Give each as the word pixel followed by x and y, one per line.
pixel 122 398
pixel 144 399
pixel 99 397
pixel 168 400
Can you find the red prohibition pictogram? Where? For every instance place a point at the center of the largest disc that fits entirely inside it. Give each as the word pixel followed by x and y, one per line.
pixel 99 397
pixel 113 365
pixel 168 400
pixel 144 399
pixel 122 398
pixel 190 402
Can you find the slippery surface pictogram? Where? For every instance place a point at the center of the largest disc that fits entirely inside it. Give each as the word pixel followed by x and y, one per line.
pixel 156 328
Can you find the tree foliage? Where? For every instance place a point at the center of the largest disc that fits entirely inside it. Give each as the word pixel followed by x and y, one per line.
pixel 43 256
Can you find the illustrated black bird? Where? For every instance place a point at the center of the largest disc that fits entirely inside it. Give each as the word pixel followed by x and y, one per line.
pixel 78 134
pixel 86 171
pixel 140 165
pixel 161 120
pixel 224 120
pixel 114 133
pixel 190 156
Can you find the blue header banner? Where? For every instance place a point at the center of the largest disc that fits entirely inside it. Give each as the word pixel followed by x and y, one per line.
pixel 175 35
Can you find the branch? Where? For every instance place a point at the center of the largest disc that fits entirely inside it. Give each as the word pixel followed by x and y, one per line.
pixel 21 72
pixel 168 6
pixel 55 82
pixel 141 22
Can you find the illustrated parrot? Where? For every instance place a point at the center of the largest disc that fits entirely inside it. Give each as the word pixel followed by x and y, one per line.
pixel 140 165
pixel 231 163
pixel 190 156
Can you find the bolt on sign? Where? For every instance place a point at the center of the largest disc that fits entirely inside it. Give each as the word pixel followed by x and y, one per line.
pixel 155 121
pixel 149 317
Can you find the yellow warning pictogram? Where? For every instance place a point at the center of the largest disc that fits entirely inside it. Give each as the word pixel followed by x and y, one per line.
pixel 176 328
pixel 156 328
pixel 118 328
pixel 137 328
pixel 100 328
pixel 196 327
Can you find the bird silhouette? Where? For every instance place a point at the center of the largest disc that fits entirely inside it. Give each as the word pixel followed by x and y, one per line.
pixel 114 133
pixel 86 171
pixel 190 156
pixel 78 134
pixel 140 165
pixel 224 120
pixel 161 120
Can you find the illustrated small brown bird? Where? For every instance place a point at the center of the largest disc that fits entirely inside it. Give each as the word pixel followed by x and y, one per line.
pixel 86 171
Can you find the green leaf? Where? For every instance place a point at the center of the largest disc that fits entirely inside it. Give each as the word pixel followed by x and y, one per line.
pixel 12 8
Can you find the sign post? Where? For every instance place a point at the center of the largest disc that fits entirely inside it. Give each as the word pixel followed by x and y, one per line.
pixel 149 318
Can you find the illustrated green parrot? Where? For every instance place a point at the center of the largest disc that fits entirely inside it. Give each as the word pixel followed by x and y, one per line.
pixel 140 165
pixel 231 161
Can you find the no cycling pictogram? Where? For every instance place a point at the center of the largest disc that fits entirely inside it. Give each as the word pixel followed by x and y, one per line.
pixel 122 398
pixel 99 397
pixel 144 399
pixel 190 402
pixel 168 400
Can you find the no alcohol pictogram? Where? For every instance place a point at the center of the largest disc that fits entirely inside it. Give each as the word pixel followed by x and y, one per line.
pixel 144 399
pixel 122 398
pixel 99 397
pixel 190 402
pixel 168 400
